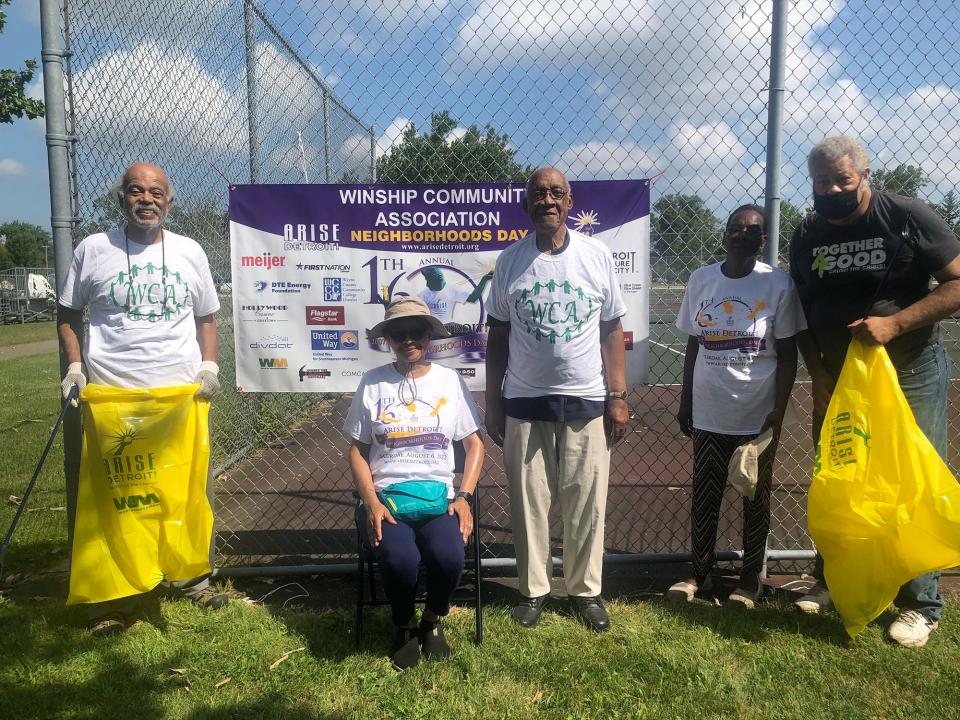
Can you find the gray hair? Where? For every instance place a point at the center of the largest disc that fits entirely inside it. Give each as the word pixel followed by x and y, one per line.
pixel 832 149
pixel 120 185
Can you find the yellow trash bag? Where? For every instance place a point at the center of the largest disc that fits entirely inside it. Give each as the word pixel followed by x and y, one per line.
pixel 883 507
pixel 142 510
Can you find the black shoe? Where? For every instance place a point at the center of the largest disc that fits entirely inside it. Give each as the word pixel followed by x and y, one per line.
pixel 528 610
pixel 406 648
pixel 591 612
pixel 433 644
pixel 401 636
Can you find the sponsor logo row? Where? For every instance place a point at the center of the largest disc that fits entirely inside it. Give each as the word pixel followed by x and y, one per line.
pixel 319 340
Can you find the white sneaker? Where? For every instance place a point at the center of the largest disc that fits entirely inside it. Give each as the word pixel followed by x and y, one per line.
pixel 817 599
pixel 911 629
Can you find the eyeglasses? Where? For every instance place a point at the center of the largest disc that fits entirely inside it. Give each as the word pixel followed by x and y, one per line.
pixel 401 334
pixel 557 193
pixel 751 231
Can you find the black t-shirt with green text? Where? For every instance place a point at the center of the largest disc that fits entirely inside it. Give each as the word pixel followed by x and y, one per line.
pixel 837 270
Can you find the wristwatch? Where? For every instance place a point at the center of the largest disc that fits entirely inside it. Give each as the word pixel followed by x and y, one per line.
pixel 622 394
pixel 465 495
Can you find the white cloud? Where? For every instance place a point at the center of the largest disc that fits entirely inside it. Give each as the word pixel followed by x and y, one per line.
pixel 458 133
pixel 12 168
pixel 605 160
pixel 147 101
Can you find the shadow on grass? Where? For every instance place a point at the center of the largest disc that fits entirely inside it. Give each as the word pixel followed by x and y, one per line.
pixel 94 692
pixel 771 615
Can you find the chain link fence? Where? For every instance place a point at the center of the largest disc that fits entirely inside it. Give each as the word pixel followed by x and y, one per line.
pixel 225 91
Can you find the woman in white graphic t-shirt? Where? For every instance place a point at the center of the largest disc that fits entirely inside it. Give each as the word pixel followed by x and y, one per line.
pixel 742 317
pixel 404 419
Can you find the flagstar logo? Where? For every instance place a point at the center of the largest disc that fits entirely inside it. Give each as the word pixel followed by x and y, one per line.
pixel 325 315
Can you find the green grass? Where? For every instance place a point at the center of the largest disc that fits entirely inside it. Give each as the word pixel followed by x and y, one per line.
pixel 657 662
pixel 29 405
pixel 27 333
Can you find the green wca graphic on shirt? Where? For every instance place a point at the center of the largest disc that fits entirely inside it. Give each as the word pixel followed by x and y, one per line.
pixel 149 292
pixel 555 311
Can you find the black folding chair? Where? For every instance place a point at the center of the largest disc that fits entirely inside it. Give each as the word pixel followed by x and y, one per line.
pixel 367 569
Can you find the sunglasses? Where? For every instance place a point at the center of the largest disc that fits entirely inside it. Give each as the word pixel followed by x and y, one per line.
pixel 750 231
pixel 414 333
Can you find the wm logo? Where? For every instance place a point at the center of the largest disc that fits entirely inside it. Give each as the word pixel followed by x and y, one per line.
pixel 273 363
pixel 135 502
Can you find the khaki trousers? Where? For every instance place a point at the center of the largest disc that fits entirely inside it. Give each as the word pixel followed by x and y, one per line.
pixel 568 462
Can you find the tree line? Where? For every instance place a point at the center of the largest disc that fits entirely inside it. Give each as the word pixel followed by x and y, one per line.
pixel 685 233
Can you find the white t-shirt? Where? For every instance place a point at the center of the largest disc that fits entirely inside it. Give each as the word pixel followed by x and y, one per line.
pixel 442 302
pixel 554 304
pixel 736 322
pixel 411 429
pixel 142 318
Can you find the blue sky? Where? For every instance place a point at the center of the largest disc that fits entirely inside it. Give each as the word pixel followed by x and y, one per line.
pixel 23 155
pixel 614 88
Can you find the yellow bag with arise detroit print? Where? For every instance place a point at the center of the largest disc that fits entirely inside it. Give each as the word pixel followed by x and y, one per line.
pixel 142 510
pixel 883 506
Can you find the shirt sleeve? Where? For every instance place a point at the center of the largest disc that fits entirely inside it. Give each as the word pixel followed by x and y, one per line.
pixel 357 423
pixel 205 300
pixel 468 416
pixel 683 316
pixel 498 306
pixel 75 293
pixel 790 319
pixel 796 243
pixel 613 305
pixel 936 242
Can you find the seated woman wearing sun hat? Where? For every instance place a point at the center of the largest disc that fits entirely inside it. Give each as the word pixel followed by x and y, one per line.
pixel 404 419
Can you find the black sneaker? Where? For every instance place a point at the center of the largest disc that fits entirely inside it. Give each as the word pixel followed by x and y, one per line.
pixel 433 644
pixel 591 612
pixel 528 610
pixel 405 652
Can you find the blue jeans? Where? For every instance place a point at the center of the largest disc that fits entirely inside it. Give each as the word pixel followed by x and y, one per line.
pixel 924 384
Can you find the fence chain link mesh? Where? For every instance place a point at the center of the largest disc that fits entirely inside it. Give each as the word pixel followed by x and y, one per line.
pixel 228 91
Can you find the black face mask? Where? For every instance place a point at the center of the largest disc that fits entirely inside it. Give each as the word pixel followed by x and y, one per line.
pixel 837 206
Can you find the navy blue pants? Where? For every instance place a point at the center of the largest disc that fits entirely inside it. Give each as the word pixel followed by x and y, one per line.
pixel 437 543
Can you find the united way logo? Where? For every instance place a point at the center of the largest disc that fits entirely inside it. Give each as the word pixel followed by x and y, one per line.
pixel 332 289
pixel 334 340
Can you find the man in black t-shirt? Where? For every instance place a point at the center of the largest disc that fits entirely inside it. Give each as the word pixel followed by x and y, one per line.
pixel 839 257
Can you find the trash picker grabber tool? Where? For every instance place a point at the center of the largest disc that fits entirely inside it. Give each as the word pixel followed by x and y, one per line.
pixel 74 392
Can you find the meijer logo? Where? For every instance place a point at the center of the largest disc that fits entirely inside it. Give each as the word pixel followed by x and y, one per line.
pixel 266 260
pixel 273 363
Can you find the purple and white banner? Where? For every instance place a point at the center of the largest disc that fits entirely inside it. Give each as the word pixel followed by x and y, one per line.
pixel 313 264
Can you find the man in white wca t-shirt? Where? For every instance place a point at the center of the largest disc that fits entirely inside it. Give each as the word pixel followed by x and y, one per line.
pixel 152 303
pixel 556 395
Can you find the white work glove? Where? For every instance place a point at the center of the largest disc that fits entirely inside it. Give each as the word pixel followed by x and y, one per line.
pixel 73 377
pixel 207 377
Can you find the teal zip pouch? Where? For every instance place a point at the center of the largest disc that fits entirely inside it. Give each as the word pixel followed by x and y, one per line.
pixel 415 500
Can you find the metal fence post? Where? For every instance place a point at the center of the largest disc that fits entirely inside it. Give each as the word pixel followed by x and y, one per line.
pixel 373 153
pixel 326 135
pixel 61 216
pixel 778 51
pixel 254 140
